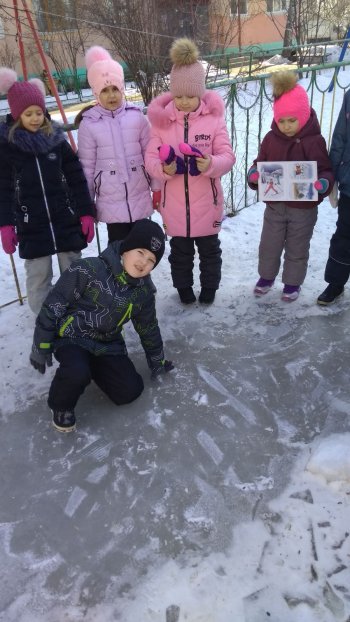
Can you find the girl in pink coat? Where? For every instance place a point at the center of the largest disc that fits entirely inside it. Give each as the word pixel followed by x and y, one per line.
pixel 189 150
pixel 112 139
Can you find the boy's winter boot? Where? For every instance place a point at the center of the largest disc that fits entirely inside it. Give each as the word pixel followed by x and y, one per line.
pixel 186 295
pixel 263 286
pixel 192 153
pixel 330 294
pixel 290 292
pixel 63 420
pixel 207 295
pixel 167 155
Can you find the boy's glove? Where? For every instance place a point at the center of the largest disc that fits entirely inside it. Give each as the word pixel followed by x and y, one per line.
pixel 167 156
pixel 321 185
pixel 156 197
pixel 253 175
pixel 192 153
pixel 88 227
pixel 9 239
pixel 162 368
pixel 41 357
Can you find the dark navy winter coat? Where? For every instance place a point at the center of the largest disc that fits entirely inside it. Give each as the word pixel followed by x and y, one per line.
pixel 306 145
pixel 43 192
pixel 340 147
pixel 91 302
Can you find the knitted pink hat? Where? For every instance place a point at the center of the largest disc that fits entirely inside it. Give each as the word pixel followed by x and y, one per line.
pixel 21 95
pixel 291 99
pixel 102 70
pixel 187 76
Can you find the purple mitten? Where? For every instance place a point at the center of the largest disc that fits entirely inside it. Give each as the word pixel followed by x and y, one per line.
pixel 167 156
pixel 192 153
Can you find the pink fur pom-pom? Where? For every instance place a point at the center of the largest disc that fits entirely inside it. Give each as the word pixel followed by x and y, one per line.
pixel 39 85
pixel 7 78
pixel 95 54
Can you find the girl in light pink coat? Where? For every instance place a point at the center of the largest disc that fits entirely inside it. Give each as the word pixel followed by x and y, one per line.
pixel 189 150
pixel 112 140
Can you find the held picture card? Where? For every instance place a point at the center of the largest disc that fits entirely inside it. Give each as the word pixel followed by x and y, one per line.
pixel 287 181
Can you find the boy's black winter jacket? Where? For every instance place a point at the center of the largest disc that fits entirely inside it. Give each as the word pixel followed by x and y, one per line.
pixel 340 147
pixel 43 192
pixel 91 302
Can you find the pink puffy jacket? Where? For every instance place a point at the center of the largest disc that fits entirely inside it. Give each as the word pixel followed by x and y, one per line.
pixel 190 206
pixel 111 147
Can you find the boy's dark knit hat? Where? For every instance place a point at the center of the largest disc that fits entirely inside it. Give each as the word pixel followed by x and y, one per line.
pixel 145 234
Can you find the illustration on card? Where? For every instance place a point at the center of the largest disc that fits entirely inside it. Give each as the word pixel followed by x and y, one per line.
pixel 287 181
pixel 271 179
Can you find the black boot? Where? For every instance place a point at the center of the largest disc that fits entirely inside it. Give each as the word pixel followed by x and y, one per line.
pixel 63 420
pixel 330 294
pixel 207 295
pixel 186 295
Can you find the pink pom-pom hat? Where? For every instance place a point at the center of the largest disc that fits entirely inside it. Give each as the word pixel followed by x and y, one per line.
pixel 102 70
pixel 294 103
pixel 20 95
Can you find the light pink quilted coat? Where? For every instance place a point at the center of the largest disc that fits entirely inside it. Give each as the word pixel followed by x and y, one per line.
pixel 201 214
pixel 111 148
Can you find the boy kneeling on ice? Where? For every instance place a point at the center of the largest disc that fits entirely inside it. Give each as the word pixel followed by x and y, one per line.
pixel 82 318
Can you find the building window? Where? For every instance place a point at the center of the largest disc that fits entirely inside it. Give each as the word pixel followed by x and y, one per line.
pixel 239 6
pixel 276 6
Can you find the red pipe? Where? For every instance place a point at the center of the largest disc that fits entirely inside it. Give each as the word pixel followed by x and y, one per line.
pixel 20 42
pixel 46 67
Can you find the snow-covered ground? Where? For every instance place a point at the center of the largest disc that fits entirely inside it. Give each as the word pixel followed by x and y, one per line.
pixel 221 495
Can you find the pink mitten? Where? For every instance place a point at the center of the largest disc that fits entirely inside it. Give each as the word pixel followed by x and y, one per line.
pixel 189 150
pixel 88 227
pixel 9 239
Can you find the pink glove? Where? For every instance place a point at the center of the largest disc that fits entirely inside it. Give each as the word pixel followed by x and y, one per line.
pixel 156 196
pixel 9 239
pixel 189 150
pixel 88 227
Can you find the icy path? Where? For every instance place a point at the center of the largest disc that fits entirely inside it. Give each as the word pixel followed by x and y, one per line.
pixel 175 499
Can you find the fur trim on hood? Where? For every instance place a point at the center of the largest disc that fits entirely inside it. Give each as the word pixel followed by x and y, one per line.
pixel 161 114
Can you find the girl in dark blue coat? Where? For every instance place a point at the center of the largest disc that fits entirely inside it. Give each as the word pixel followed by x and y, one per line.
pixel 338 265
pixel 45 206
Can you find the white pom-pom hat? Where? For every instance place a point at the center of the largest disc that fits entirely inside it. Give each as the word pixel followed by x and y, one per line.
pixel 102 70
pixel 21 95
